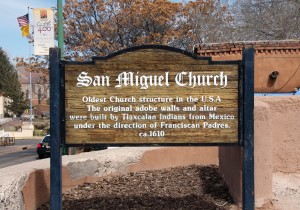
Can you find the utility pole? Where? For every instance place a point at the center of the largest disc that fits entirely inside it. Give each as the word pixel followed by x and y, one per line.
pixel 61 39
pixel 30 95
pixel 60 28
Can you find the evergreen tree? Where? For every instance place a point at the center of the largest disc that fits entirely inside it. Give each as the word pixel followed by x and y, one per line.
pixel 10 85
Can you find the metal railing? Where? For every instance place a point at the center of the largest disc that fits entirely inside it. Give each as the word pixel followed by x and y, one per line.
pixel 7 141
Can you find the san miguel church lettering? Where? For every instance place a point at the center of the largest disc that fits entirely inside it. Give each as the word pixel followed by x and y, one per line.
pixel 125 79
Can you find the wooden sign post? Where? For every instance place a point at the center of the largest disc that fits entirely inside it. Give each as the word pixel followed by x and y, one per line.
pixel 151 95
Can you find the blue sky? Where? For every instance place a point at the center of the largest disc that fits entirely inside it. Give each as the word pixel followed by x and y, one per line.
pixel 11 39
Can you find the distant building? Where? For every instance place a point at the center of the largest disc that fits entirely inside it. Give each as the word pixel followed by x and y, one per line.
pixel 4 101
pixel 40 86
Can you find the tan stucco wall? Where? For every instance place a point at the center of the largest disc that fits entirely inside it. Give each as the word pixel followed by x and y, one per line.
pixel 176 156
pixel 231 159
pixel 276 147
pixel 285 130
pixel 287 64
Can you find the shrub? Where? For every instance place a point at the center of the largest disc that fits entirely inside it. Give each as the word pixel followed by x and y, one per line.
pixel 18 127
pixel 39 125
pixel 39 133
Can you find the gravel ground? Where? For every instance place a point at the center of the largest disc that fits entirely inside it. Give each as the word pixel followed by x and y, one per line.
pixel 191 187
pixel 286 191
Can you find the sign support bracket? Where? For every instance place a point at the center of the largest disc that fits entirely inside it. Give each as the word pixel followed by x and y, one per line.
pixel 55 131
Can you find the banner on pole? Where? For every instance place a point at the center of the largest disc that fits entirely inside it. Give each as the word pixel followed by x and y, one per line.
pixel 43 31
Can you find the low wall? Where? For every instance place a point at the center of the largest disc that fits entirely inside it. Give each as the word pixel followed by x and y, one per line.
pixel 25 133
pixel 168 157
pixel 28 185
pixel 277 148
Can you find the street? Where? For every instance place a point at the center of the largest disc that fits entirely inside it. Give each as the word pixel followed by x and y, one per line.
pixel 18 157
pixel 23 151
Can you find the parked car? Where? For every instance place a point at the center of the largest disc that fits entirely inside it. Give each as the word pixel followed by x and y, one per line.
pixel 43 148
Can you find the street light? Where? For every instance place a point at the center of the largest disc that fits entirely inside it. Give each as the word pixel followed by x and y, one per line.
pixel 30 86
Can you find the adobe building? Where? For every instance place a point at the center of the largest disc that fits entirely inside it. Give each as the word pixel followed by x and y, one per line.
pixel 276 63
pixel 276 70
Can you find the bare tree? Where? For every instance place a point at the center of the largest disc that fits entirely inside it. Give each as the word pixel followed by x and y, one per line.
pixel 40 87
pixel 266 19
pixel 204 21
pixel 40 83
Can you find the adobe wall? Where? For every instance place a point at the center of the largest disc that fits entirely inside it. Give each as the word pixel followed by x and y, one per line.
pixel 284 127
pixel 231 159
pixel 270 56
pixel 277 148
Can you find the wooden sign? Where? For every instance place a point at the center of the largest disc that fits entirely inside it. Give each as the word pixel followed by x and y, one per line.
pixel 152 95
pixel 177 98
